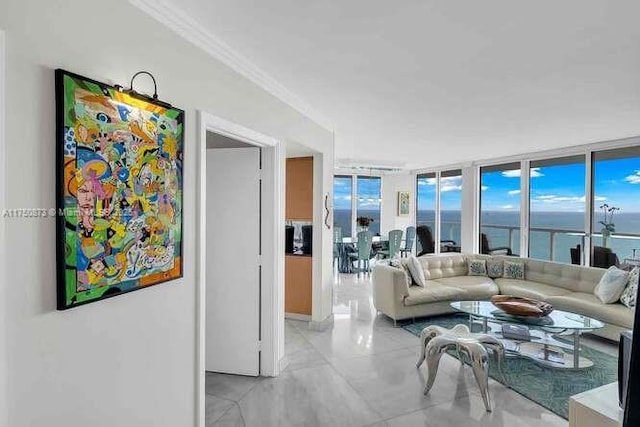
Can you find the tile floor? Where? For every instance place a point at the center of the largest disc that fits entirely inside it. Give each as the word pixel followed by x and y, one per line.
pixel 361 372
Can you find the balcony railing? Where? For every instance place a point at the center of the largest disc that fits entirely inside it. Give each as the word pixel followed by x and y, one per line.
pixel 559 241
pixel 545 243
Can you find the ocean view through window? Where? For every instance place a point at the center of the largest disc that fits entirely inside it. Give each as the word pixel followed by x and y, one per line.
pixel 426 203
pixel 367 197
pixel 342 189
pixel 500 205
pixel 556 207
pixel 616 183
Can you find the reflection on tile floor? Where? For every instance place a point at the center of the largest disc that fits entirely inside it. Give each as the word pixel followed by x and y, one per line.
pixel 361 372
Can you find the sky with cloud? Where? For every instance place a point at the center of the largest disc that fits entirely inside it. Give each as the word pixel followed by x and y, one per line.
pixel 553 188
pixel 368 193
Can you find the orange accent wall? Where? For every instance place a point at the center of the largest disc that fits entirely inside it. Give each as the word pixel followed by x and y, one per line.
pixel 299 206
pixel 299 189
pixel 297 284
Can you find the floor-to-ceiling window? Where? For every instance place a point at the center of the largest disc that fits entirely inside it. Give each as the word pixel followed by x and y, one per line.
pixel 342 197
pixel 368 199
pixel 451 205
pixel 615 206
pixel 500 205
pixel 426 202
pixel 556 208
pixel 356 196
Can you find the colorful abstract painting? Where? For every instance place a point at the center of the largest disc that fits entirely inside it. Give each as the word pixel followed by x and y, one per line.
pixel 119 191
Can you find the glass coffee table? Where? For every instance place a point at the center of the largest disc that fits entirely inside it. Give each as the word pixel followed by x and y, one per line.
pixel 542 345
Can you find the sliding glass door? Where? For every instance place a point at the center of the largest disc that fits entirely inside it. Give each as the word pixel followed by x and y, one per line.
pixel 556 209
pixel 615 220
pixel 368 191
pixel 355 196
pixel 500 207
pixel 426 203
pixel 451 206
pixel 342 199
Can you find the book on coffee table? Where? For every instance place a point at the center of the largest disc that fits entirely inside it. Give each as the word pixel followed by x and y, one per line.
pixel 516 332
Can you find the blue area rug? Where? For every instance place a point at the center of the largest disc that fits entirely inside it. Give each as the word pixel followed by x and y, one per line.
pixel 547 387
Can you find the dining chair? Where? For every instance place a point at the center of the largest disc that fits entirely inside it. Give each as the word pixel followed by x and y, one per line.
pixel 427 242
pixel 409 237
pixel 486 249
pixel 395 240
pixel 363 254
pixel 337 240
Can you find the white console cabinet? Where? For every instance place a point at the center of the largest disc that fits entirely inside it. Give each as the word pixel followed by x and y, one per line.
pixel 596 408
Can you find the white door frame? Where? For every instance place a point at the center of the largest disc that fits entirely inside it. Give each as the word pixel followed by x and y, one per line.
pixel 272 295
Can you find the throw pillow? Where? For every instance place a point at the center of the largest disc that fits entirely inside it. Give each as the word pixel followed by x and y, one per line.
pixel 415 268
pixel 477 267
pixel 630 292
pixel 611 285
pixel 495 268
pixel 402 264
pixel 513 270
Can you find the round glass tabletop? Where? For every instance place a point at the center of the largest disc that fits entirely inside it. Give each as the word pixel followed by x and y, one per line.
pixel 556 319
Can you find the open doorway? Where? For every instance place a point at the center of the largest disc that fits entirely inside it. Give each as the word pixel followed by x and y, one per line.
pixel 233 244
pixel 240 292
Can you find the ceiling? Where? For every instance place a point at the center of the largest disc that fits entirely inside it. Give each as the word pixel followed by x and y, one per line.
pixel 424 83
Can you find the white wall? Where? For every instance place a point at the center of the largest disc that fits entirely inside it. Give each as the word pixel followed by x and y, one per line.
pixel 3 268
pixel 130 360
pixel 389 219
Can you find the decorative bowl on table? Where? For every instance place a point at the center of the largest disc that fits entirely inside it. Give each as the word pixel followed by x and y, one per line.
pixel 519 306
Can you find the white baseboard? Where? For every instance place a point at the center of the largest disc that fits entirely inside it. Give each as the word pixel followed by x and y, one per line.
pixel 297 316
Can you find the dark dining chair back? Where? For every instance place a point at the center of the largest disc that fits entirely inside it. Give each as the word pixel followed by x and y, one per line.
pixel 426 240
pixel 576 255
pixel 486 249
pixel 604 257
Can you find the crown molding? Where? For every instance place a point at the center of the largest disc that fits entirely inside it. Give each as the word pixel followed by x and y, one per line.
pixel 185 26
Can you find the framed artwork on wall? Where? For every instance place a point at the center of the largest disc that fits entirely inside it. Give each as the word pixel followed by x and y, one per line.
pixel 403 203
pixel 119 191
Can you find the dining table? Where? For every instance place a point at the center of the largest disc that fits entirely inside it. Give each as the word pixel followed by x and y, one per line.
pixel 348 245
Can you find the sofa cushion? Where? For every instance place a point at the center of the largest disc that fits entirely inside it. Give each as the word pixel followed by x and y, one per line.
pixel 437 267
pixel 589 305
pixel 432 292
pixel 471 287
pixel 611 285
pixel 529 289
pixel 574 278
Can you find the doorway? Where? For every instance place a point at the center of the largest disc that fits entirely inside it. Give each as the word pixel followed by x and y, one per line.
pixel 244 149
pixel 233 272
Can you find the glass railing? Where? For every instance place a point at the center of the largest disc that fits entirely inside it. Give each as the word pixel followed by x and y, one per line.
pixel 555 244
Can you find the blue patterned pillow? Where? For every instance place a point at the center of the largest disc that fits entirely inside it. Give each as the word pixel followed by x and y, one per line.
pixel 629 294
pixel 495 268
pixel 513 270
pixel 477 267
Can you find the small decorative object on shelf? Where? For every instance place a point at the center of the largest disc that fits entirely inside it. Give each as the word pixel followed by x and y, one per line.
pixel 608 227
pixel 518 306
pixel 364 221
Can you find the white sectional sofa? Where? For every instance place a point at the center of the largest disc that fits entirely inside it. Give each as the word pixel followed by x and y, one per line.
pixel 565 286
